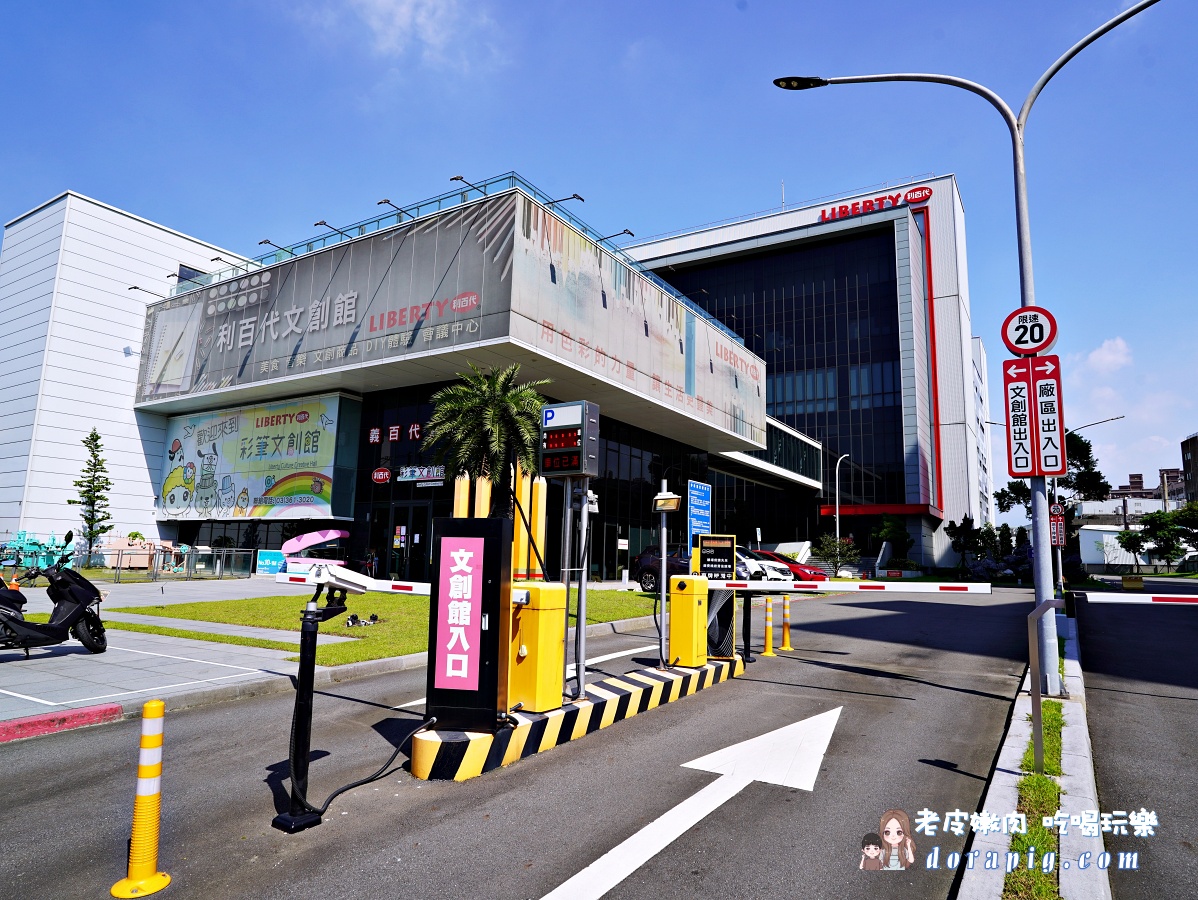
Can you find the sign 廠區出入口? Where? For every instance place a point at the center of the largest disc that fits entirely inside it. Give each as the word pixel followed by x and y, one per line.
pixel 1050 428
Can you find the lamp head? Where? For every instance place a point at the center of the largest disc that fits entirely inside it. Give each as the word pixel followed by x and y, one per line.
pixel 666 501
pixel 800 82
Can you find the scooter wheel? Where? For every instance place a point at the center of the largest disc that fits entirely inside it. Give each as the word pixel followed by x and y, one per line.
pixel 89 631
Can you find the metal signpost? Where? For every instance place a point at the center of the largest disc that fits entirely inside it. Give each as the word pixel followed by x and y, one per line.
pixel 1036 445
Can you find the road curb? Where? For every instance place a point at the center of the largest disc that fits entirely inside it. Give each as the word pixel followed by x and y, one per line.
pixel 1078 790
pixel 64 720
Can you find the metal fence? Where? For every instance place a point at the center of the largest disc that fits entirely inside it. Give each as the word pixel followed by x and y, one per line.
pixel 165 564
pixel 1186 565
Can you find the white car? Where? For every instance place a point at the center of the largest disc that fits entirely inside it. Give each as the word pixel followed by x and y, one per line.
pixel 758 567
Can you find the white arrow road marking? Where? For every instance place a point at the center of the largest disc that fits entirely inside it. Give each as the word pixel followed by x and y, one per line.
pixel 789 757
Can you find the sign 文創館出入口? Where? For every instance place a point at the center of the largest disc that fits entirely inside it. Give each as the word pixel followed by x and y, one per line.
pixel 1035 423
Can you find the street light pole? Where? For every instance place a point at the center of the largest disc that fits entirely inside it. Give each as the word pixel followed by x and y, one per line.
pixel 1041 540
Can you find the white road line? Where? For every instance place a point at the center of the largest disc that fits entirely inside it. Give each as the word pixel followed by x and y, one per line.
pixel 570 670
pixel 164 687
pixel 618 863
pixel 27 697
pixel 206 662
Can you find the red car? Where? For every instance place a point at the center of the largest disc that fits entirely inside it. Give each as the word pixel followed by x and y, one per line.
pixel 801 572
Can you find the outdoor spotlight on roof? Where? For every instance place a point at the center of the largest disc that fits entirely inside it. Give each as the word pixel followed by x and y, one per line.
pixel 564 199
pixel 387 202
pixel 666 501
pixel 617 234
pixel 220 259
pixel 333 227
pixel 271 243
pixel 464 181
pixel 800 82
pixel 134 287
pixel 183 278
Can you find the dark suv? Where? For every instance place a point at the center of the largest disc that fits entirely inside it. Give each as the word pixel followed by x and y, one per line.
pixel 645 567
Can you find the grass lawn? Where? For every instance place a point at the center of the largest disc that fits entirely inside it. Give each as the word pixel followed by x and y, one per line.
pixel 402 629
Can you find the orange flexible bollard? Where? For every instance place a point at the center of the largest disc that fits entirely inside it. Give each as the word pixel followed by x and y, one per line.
pixel 143 876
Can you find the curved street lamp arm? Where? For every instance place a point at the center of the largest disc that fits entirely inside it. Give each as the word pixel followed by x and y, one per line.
pixel 980 89
pixel 1073 51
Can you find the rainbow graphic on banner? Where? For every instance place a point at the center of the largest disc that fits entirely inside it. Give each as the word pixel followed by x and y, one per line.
pixel 299 489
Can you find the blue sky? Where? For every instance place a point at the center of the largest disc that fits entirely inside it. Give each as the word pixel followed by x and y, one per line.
pixel 241 121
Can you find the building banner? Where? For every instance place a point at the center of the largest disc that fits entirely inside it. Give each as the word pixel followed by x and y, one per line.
pixel 273 461
pixel 427 287
pixel 583 306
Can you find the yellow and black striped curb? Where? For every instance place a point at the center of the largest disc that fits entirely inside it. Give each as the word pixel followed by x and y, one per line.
pixel 459 755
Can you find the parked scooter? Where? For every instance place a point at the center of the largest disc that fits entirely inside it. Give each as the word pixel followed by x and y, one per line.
pixel 76 610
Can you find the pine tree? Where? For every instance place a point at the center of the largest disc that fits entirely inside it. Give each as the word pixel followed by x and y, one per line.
pixel 93 486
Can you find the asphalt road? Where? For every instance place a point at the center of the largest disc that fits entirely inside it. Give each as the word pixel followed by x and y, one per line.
pixel 925 685
pixel 1142 707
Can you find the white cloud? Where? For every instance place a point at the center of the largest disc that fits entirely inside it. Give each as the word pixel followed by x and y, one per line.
pixel 399 24
pixel 1114 354
pixel 439 33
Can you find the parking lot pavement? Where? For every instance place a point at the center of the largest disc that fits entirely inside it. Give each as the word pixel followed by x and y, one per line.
pixel 165 593
pixel 136 667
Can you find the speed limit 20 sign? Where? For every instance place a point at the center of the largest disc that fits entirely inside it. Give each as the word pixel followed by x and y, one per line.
pixel 1029 330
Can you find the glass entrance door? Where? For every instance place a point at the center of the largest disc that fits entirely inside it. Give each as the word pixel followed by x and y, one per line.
pixel 411 541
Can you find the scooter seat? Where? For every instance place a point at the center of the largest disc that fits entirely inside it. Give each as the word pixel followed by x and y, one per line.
pixel 12 599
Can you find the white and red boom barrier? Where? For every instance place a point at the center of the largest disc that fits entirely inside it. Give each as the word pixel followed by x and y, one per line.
pixel 1151 598
pixel 353 582
pixel 808 587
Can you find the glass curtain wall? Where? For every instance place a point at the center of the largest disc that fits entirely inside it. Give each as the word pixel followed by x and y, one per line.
pixel 824 316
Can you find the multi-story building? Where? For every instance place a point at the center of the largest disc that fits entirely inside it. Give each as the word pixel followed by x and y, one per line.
pixel 860 309
pixel 1189 467
pixel 72 326
pixel 261 397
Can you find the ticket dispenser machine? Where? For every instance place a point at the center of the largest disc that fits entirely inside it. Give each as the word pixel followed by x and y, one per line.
pixel 537 646
pixel 688 620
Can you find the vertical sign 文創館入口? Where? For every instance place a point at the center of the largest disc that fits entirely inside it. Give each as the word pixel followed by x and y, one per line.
pixel 469 623
pixel 459 613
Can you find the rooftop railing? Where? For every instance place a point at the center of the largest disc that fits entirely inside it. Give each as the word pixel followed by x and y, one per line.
pixel 432 206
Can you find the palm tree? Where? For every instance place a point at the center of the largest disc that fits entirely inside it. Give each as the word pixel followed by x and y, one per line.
pixel 483 425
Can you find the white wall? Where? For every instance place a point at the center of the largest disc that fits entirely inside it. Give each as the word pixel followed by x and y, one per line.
pixel 28 265
pixel 93 253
